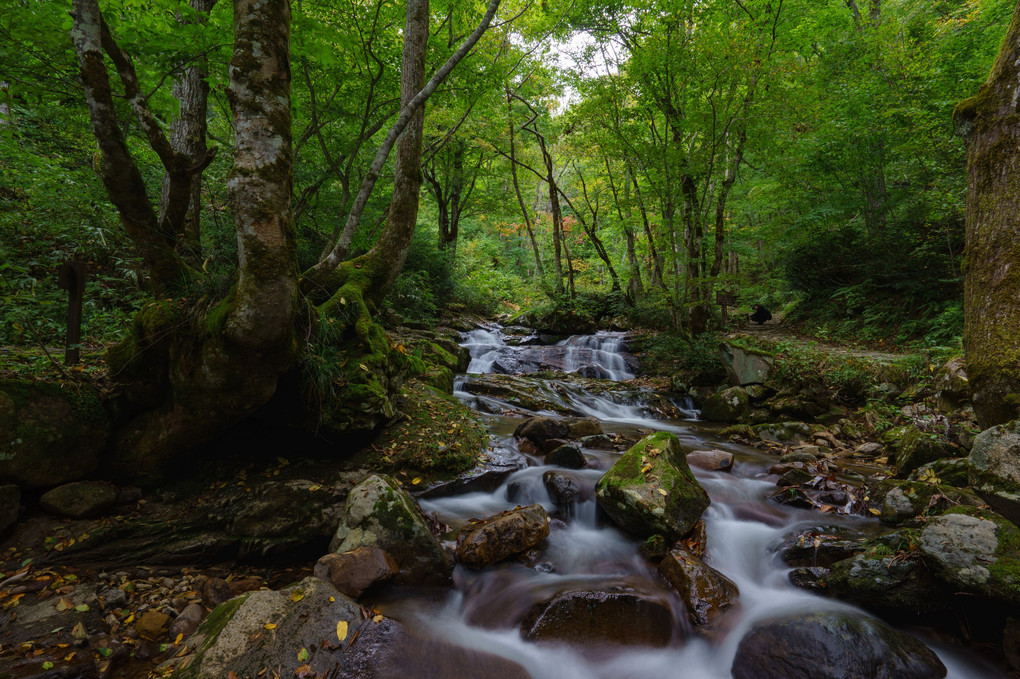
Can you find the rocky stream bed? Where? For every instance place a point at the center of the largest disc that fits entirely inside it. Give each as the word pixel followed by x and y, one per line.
pixel 608 532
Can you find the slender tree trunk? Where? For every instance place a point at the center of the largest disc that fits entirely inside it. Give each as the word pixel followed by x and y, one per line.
pixel 188 137
pixel 517 188
pixel 991 336
pixel 657 261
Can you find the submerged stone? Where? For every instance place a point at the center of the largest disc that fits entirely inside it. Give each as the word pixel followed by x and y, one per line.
pixel 594 617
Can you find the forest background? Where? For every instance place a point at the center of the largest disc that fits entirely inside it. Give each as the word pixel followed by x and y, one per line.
pixel 612 160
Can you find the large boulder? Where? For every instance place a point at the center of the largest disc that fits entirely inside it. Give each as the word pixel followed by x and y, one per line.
pixel 976 552
pixel 731 405
pixel 79 500
pixel 595 617
pixel 380 513
pixel 953 386
pixel 832 646
pixel 503 535
pixel 784 432
pixel 306 628
pixel 706 592
pixel 995 468
pixel 49 434
pixel 745 366
pixel 901 501
pixel 650 490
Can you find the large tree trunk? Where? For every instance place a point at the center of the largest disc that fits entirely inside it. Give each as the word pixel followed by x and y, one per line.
pixel 991 335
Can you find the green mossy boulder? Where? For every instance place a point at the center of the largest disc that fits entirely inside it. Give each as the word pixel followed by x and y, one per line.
pixel 50 434
pixel 902 501
pixel 732 405
pixel 994 463
pixel 784 432
pixel 949 471
pixel 380 513
pixel 744 365
pixel 975 551
pixel 651 490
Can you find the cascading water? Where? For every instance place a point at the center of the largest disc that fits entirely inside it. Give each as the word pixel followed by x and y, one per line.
pixel 597 356
pixel 584 552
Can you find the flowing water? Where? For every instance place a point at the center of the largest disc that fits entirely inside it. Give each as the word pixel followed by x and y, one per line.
pixel 585 551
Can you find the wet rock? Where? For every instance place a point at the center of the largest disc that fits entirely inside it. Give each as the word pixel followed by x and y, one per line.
pixel 242 585
pixel 10 505
pixel 696 542
pixel 914 448
pixel 548 445
pixel 784 432
pixel 745 366
pixel 651 489
pixel 566 490
pixel 595 617
pixel 380 513
pixel 731 405
pixel 706 592
pixel 870 449
pixel 538 429
pixel 712 460
pixel 794 477
pixel 811 578
pixel 822 546
pixel 832 646
pixel 354 572
pixel 948 471
pixel 977 553
pixel 570 457
pixel 888 581
pixel 995 468
pixel 579 427
pixel 187 622
pixel 597 442
pixel 79 500
pixel 502 535
pixel 496 465
pixel 152 625
pixel 36 618
pixel 799 456
pixel 215 591
pixel 49 435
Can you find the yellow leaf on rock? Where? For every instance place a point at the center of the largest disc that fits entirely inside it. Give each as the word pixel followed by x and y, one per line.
pixel 875 512
pixel 341 630
pixel 297 595
pixel 415 481
pixel 79 632
pixel 302 655
pixel 270 625
pixel 179 638
pixel 378 618
pixel 662 491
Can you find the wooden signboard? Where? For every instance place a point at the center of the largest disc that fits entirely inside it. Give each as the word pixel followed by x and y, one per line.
pixel 725 299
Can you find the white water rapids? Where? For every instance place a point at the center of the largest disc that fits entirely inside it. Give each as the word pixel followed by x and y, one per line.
pixel 743 527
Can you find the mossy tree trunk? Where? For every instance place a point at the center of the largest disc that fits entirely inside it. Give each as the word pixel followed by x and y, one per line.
pixel 991 123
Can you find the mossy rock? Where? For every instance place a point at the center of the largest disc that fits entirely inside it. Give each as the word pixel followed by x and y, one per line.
pixel 731 405
pixel 784 432
pixel 975 551
pixel 994 464
pixel 651 490
pixel 380 513
pixel 915 448
pixel 902 501
pixel 50 434
pixel 949 472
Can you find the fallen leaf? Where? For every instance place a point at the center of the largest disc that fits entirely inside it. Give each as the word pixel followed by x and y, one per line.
pixel 79 632
pixel 64 605
pixel 415 481
pixel 875 512
pixel 302 655
pixel 378 618
pixel 662 491
pixel 81 608
pixel 47 665
pixel 341 630
pixel 297 595
pixel 179 638
pixel 270 625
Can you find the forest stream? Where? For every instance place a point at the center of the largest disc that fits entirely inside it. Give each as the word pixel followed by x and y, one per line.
pixel 585 552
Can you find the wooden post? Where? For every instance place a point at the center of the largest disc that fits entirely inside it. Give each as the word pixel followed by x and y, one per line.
pixel 72 279
pixel 725 299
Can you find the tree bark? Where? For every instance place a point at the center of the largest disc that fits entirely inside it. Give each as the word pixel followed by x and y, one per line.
pixel 517 188
pixel 991 336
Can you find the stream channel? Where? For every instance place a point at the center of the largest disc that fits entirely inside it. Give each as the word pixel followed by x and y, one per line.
pixel 585 551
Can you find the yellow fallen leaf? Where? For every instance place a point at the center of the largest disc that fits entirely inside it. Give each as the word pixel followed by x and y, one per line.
pixel 79 632
pixel 662 491
pixel 377 618
pixel 179 638
pixel 415 481
pixel 302 655
pixel 875 512
pixel 270 625
pixel 332 599
pixel 297 595
pixel 341 630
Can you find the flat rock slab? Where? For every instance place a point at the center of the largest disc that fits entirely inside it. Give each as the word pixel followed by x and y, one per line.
pixel 594 617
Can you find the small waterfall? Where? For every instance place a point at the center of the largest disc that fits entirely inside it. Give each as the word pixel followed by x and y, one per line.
pixel 597 356
pixel 485 345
